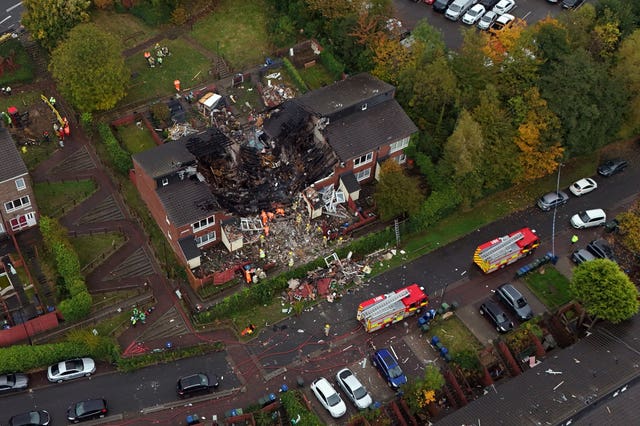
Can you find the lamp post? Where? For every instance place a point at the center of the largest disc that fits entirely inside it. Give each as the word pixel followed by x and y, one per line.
pixel 555 209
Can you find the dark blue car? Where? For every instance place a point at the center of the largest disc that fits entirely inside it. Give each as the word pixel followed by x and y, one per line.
pixel 388 366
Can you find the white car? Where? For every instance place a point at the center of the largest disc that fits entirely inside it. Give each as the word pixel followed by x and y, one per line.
pixel 328 397
pixel 474 14
pixel 71 369
pixel 504 6
pixel 354 389
pixel 583 186
pixel 588 219
pixel 487 20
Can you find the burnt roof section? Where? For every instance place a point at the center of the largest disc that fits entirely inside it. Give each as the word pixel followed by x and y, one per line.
pixel 210 143
pixel 365 131
pixel 12 164
pixel 289 117
pixel 564 384
pixel 343 94
pixel 187 201
pixel 165 159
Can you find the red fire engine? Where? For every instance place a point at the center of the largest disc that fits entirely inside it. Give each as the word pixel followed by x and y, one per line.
pixel 383 310
pixel 503 251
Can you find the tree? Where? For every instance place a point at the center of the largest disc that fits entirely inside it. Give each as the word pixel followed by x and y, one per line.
pixel 630 228
pixel 390 59
pixel 472 68
pixel 588 100
pixel 49 21
pixel 396 193
pixel 627 66
pixel 421 391
pixel 540 148
pixel 605 290
pixel 89 69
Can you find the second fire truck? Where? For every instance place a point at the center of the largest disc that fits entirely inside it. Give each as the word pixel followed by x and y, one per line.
pixel 503 251
pixel 384 310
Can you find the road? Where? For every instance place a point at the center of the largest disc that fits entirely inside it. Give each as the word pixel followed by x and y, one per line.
pixel 11 13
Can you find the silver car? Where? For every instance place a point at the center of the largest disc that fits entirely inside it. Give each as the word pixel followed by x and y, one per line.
pixel 487 20
pixel 552 199
pixel 354 389
pixel 71 369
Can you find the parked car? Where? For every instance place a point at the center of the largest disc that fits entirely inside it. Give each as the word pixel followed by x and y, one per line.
pixel 487 20
pixel 71 369
pixel 514 300
pixel 600 248
pixel 611 167
pixel 458 8
pixel 571 4
pixel 429 1
pixel 552 199
pixel 496 316
pixel 502 22
pixel 388 366
pixel 581 256
pixel 13 382
pixel 474 14
pixel 488 4
pixel 328 397
pixel 31 418
pixel 504 6
pixel 194 384
pixel 583 186
pixel 441 6
pixel 354 389
pixel 588 218
pixel 87 410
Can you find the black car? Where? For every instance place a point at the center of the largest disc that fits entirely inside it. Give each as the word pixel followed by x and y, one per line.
pixel 193 384
pixel 496 315
pixel 571 4
pixel 601 249
pixel 441 6
pixel 514 300
pixel 13 382
pixel 488 4
pixel 87 410
pixel 611 167
pixel 581 256
pixel 32 418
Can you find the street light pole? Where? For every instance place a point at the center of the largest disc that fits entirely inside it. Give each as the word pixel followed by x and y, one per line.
pixel 555 209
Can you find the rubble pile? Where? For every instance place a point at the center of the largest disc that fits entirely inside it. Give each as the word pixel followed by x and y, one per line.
pixel 275 91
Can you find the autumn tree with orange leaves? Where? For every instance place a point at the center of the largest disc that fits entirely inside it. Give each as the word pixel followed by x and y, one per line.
pixel 540 151
pixel 500 43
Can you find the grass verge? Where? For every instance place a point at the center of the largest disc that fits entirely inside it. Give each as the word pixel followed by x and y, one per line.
pixel 454 335
pixel 93 249
pixel 550 286
pixel 55 198
pixel 163 356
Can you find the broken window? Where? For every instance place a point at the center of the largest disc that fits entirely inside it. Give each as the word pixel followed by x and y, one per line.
pixel 204 223
pixel 18 203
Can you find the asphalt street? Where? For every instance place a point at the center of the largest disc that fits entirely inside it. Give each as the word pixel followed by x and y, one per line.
pixel 10 16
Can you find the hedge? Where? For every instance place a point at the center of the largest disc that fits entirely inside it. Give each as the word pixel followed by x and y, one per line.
pixel 335 68
pixel 293 406
pixel 295 76
pixel 119 157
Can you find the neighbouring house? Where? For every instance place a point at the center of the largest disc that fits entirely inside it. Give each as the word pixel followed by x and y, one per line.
pixel 19 211
pixel 321 147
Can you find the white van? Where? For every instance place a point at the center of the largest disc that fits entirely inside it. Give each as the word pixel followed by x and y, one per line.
pixel 458 8
pixel 589 219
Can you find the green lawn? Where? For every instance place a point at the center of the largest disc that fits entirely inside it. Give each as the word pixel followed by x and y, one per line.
pixel 550 286
pixel 185 64
pixel 238 31
pixel 130 30
pixel 135 139
pixel 316 76
pixel 57 197
pixel 24 68
pixel 454 335
pixel 4 282
pixel 92 249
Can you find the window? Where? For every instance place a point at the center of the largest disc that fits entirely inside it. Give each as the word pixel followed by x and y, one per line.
pixel 205 239
pixel 363 107
pixel 397 146
pixel 19 203
pixel 20 184
pixel 401 159
pixel 367 158
pixel 165 181
pixel 364 174
pixel 204 223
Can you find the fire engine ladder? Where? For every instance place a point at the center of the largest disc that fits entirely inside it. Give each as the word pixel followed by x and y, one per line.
pixel 498 250
pixel 381 307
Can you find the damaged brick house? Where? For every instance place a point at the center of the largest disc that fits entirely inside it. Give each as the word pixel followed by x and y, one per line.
pixel 324 144
pixel 19 210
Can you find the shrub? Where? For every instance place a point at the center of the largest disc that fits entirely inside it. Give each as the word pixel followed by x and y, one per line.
pixel 291 403
pixel 160 112
pixel 139 361
pixel 86 120
pixel 335 68
pixel 119 158
pixel 437 206
pixel 76 308
pixel 295 75
pixel 179 16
